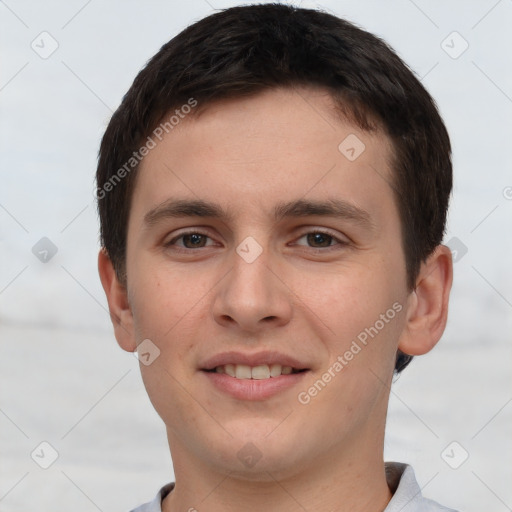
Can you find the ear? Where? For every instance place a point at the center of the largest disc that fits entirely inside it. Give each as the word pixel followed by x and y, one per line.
pixel 118 305
pixel 427 307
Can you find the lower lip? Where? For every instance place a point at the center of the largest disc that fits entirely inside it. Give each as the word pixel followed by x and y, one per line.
pixel 253 389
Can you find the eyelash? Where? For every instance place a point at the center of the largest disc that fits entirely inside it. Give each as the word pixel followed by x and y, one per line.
pixel 337 246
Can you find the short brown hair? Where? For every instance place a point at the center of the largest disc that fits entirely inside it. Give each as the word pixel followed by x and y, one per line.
pixel 247 49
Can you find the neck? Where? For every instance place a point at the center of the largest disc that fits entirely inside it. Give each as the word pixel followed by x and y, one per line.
pixel 345 480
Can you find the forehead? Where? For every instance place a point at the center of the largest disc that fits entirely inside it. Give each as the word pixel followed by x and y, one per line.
pixel 278 145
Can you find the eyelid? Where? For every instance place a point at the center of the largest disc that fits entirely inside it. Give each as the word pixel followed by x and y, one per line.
pixel 342 240
pixel 309 230
pixel 190 231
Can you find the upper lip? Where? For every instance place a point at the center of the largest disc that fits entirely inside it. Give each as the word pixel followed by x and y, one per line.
pixel 256 359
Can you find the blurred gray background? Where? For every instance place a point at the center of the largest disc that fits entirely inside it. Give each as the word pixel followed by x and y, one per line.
pixel 63 379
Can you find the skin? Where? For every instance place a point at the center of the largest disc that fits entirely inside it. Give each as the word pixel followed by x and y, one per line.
pixel 302 297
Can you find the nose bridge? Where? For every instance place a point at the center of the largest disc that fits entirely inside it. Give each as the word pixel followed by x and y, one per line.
pixel 250 270
pixel 250 292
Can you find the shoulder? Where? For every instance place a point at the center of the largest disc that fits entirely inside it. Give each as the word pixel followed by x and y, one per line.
pixel 156 504
pixel 407 495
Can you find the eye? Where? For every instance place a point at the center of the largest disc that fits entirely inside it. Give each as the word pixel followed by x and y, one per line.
pixel 321 239
pixel 316 239
pixel 191 240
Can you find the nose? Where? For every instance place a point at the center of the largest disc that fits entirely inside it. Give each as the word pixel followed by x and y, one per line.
pixel 253 295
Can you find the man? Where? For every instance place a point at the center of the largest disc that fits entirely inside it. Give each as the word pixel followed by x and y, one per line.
pixel 273 193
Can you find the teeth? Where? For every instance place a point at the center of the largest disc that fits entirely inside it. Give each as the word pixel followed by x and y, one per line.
pixel 262 371
pixel 275 370
pixel 242 371
pixel 230 369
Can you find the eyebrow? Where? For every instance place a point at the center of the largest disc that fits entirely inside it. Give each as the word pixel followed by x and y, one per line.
pixel 338 208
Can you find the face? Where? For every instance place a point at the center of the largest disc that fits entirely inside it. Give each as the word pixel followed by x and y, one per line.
pixel 265 264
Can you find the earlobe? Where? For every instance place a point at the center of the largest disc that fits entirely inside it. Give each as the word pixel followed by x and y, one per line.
pixel 118 304
pixel 427 308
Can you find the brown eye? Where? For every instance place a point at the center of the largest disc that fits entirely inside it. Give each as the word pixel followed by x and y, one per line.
pixel 190 240
pixel 194 239
pixel 319 239
pixel 322 240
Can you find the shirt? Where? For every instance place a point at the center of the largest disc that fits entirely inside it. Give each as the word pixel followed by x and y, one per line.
pixel 401 480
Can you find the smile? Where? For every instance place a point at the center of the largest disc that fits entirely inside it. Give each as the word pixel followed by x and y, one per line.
pixel 259 372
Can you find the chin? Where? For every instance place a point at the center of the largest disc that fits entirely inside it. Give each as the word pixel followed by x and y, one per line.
pixel 268 468
pixel 261 454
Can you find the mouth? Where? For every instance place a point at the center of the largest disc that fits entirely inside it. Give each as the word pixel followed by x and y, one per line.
pixel 258 372
pixel 253 376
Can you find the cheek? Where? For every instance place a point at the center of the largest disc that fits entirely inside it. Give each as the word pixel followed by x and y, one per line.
pixel 363 304
pixel 161 300
pixel 164 313
pixel 169 394
pixel 167 309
